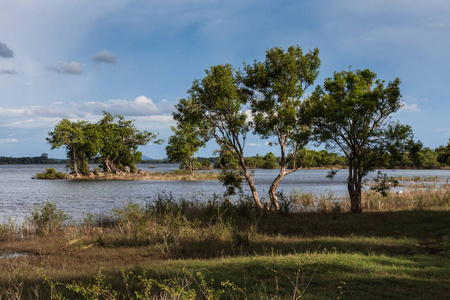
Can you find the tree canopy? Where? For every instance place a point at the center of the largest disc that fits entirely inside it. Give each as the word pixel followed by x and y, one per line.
pixel 352 112
pixel 113 141
pixel 214 110
pixel 182 147
pixel 276 89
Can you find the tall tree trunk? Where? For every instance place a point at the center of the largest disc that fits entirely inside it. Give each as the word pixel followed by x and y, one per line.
pixel 251 183
pixel 74 162
pixel 354 188
pixel 275 205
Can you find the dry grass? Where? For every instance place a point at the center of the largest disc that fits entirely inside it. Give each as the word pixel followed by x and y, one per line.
pixel 181 175
pixel 252 249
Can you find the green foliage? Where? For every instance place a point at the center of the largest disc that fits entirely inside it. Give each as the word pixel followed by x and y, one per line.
pixel 77 138
pixel 50 173
pixel 352 112
pixel 28 160
pixel 226 159
pixel 314 159
pixel 120 141
pixel 276 88
pixel 384 184
pixel 231 179
pixel 215 110
pixel 444 155
pixel 97 290
pixel 46 218
pixel 113 141
pixel 204 165
pixel 182 147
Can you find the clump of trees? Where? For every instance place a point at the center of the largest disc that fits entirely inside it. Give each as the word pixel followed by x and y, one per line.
pixel 219 107
pixel 112 141
pixel 351 113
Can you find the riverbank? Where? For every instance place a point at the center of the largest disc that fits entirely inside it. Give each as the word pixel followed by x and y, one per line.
pixel 397 249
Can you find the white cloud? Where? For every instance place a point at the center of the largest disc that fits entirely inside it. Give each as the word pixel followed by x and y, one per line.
pixel 5 141
pixel 66 68
pixel 141 108
pixel 410 108
pixel 254 144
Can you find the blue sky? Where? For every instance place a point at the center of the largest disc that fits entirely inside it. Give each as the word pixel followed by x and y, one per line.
pixel 74 59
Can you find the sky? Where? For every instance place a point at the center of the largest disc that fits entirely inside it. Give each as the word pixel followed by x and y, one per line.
pixel 76 58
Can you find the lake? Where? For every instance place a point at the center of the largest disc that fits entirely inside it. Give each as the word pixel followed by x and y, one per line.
pixel 19 193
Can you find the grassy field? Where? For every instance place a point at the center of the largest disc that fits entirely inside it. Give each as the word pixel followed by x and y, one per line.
pixel 399 248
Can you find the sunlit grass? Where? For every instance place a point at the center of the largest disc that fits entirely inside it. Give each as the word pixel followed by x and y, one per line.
pixel 396 252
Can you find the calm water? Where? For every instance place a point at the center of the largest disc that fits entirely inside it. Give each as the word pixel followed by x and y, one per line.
pixel 19 193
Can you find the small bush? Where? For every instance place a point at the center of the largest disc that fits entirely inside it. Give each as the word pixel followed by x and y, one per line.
pixel 50 173
pixel 46 218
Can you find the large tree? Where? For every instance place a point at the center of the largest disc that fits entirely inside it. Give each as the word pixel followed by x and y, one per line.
pixel 352 113
pixel 120 142
pixel 78 139
pixel 277 88
pixel 215 110
pixel 113 141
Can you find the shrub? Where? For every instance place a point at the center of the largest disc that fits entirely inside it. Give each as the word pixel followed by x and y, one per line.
pixel 50 173
pixel 46 218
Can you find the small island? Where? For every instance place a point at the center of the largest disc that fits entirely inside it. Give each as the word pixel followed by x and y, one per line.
pixel 50 173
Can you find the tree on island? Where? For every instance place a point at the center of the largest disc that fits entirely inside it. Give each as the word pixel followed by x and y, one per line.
pixel 113 141
pixel 276 90
pixel 120 142
pixel 352 113
pixel 74 136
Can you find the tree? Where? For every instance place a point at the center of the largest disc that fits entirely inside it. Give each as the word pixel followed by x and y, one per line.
pixel 215 111
pixel 113 141
pixel 75 137
pixel 352 113
pixel 182 146
pixel 276 89
pixel 444 155
pixel 120 142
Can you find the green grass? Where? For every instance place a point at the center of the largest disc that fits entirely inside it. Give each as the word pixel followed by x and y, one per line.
pixel 204 250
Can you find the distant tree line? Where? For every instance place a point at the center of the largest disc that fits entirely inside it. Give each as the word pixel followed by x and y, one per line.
pixel 43 159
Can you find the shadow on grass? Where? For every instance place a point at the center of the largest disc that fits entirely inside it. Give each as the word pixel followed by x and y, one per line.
pixel 378 255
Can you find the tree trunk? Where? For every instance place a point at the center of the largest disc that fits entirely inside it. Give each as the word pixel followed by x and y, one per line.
pixel 355 200
pixel 251 183
pixel 74 162
pixel 275 205
pixel 354 189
